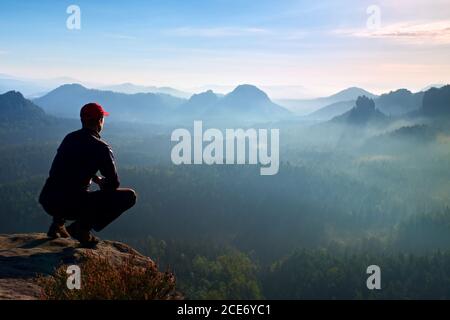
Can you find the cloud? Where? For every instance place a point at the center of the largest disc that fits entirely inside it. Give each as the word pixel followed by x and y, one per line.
pixel 216 32
pixel 437 32
pixel 3 52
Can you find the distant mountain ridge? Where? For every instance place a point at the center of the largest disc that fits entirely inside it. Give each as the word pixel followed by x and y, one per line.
pixel 14 109
pixel 399 102
pixel 435 85
pixel 31 88
pixel 330 111
pixel 309 106
pixel 26 88
pixel 351 93
pixel 363 113
pixel 436 102
pixel 130 88
pixel 244 103
pixel 66 101
pixel 394 103
pixel 198 104
pixel 434 109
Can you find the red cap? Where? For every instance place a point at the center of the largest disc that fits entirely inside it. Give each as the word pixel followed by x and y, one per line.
pixel 93 111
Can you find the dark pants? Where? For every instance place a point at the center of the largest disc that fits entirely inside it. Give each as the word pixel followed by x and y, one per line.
pixel 93 209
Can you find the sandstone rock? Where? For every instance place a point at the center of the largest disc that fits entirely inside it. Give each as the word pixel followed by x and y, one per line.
pixel 24 256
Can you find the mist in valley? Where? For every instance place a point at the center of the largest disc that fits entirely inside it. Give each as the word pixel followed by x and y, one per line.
pixel 362 188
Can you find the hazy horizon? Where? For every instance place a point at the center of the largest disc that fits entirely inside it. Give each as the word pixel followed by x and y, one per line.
pixel 274 92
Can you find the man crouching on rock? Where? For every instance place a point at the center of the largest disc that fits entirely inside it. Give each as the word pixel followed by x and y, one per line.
pixel 66 195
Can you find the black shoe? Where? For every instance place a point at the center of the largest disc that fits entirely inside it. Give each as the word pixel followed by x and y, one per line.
pixel 57 230
pixel 83 235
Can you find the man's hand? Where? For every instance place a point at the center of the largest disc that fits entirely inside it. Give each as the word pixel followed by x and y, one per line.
pixel 99 180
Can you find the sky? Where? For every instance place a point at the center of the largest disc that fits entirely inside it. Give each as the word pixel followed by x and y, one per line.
pixel 292 49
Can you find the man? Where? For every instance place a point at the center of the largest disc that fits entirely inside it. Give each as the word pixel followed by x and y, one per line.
pixel 66 195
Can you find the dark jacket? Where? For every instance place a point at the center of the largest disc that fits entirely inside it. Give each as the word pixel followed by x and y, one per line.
pixel 80 156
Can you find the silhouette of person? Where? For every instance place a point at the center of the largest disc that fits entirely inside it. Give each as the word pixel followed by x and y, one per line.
pixel 66 195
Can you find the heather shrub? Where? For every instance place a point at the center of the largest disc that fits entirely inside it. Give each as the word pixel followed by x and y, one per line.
pixel 103 279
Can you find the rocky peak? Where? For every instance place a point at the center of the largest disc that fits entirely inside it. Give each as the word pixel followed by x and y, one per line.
pixel 24 257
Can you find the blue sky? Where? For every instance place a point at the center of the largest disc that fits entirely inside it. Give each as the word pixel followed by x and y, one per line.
pixel 291 48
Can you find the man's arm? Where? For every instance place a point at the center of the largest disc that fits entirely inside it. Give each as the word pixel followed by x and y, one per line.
pixel 108 170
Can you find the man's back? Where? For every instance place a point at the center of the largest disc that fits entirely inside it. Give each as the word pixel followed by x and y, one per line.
pixel 81 154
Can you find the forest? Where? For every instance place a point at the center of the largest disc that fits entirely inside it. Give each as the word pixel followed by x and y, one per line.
pixel 346 196
pixel 308 232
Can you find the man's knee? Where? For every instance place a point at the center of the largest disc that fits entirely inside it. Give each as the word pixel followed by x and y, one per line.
pixel 131 198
